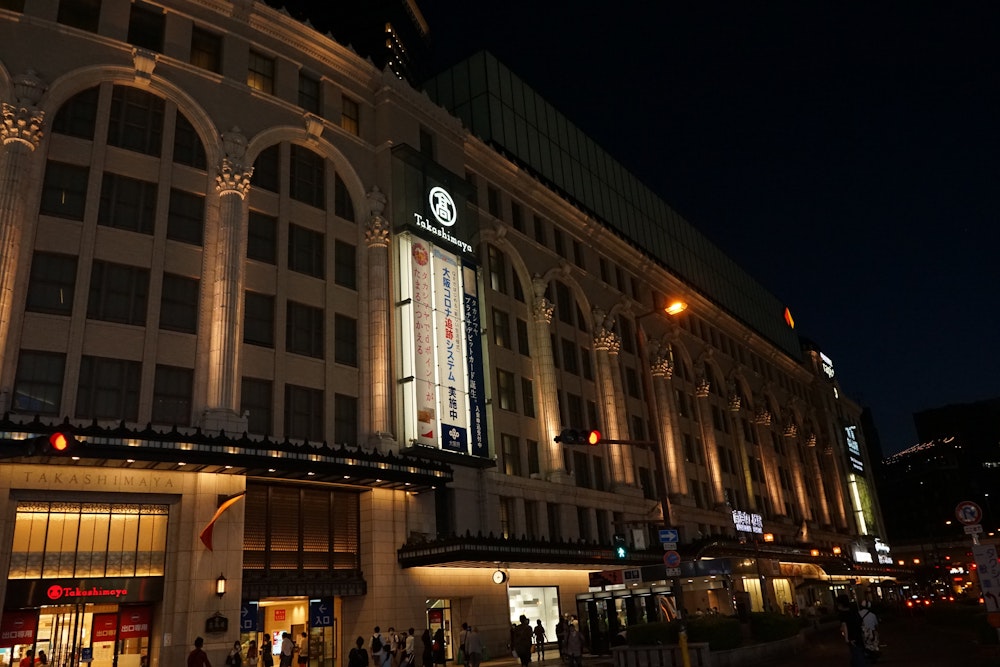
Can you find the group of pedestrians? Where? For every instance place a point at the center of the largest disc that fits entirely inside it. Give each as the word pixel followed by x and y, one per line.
pixel 290 651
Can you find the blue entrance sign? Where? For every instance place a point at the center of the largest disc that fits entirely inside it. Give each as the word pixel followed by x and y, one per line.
pixel 669 535
pixel 248 617
pixel 320 614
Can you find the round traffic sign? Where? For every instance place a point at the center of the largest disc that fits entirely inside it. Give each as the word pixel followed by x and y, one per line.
pixel 968 512
pixel 671 558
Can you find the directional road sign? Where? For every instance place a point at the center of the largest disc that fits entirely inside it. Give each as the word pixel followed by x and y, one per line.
pixel 968 512
pixel 671 559
pixel 320 614
pixel 669 535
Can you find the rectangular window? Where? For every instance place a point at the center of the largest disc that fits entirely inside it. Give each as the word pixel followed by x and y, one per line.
pixel 305 251
pixel 304 330
pixel 605 270
pixel 632 383
pixel 309 93
pixel 517 216
pixel 602 527
pixel 638 428
pixel 559 241
pixel 64 192
pixel 185 218
pixel 578 257
pixel 522 338
pixel 511 449
pixel 258 319
pixel 118 293
pixel 583 523
pixel 592 420
pixel 574 411
pixel 38 383
pixel 206 50
pixel 77 117
pixel 51 284
pixel 345 419
pixel 345 270
pixel 146 27
pixel 497 264
pixel 308 177
pixel 82 14
pixel 304 413
pixel 501 328
pixel 172 395
pixel 533 462
pixel 598 473
pixel 569 358
pixel 553 514
pixel 565 304
pixel 188 148
pixel 256 399
pixel 127 203
pixel 260 72
pixel 528 397
pixel 506 513
pixel 350 115
pixel 493 201
pixel 585 364
pixel 179 303
pixel 262 237
pixel 136 121
pixel 266 170
pixel 506 394
pixel 539 230
pixel 343 207
pixel 345 340
pixel 108 389
pixel 581 469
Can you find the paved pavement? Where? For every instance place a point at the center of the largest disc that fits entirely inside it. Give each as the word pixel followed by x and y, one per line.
pixel 909 641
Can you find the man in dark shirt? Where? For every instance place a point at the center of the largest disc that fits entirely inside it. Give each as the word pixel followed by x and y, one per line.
pixel 850 630
pixel 198 657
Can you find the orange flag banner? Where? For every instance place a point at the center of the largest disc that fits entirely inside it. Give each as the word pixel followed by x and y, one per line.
pixel 206 532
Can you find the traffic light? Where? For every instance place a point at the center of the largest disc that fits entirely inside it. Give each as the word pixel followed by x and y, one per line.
pixel 576 436
pixel 57 443
pixel 621 549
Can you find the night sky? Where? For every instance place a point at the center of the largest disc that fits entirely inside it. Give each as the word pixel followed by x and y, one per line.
pixel 845 154
pixel 846 157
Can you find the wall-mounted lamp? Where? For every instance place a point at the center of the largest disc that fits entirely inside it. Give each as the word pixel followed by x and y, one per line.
pixel 769 537
pixel 836 551
pixel 675 307
pixel 220 585
pixel 814 553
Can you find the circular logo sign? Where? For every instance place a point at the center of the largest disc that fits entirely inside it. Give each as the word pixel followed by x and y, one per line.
pixel 442 206
pixel 968 512
pixel 55 592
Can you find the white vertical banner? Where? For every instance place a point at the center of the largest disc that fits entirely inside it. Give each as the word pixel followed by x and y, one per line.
pixel 423 345
pixel 989 574
pixel 449 329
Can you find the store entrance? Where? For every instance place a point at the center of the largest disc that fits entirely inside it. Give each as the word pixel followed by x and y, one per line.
pixel 93 634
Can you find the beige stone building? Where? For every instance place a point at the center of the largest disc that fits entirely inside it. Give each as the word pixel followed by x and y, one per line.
pixel 313 335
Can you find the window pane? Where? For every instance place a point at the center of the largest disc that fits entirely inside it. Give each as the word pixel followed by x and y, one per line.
pixel 305 251
pixel 188 148
pixel 307 177
pixel 78 115
pixel 64 192
pixel 345 265
pixel 304 330
pixel 260 73
pixel 343 207
pixel 118 293
pixel 185 218
pixel 145 27
pixel 179 304
pixel 256 400
pixel 127 203
pixel 51 284
pixel 258 319
pixel 172 394
pixel 265 169
pixel 345 340
pixel 206 50
pixel 136 120
pixel 262 237
pixel 304 413
pixel 38 384
pixel 108 389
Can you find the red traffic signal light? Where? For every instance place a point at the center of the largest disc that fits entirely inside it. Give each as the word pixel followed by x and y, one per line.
pixel 58 442
pixel 575 436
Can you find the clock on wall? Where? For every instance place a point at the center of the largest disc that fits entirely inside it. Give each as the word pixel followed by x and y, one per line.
pixel 499 577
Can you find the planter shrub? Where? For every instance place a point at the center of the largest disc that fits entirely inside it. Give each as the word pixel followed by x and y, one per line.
pixel 769 626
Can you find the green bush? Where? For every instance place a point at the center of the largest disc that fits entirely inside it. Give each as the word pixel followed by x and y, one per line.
pixel 720 632
pixel 767 626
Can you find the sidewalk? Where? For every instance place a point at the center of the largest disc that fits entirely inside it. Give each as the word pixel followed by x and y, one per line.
pixel 551 660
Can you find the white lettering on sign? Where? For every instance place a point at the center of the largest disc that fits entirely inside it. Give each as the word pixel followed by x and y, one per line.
pixel 442 206
pixel 827 365
pixel 422 223
pixel 748 523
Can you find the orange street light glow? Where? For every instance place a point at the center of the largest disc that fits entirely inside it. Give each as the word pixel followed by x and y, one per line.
pixel 676 307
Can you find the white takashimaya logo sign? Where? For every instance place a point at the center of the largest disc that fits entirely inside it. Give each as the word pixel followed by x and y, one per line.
pixel 442 206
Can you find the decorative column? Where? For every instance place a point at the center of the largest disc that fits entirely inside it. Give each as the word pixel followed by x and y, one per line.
pixel 817 473
pixel 20 133
pixel 769 458
pixel 662 370
pixel 377 241
pixel 606 346
pixel 711 447
pixel 547 392
pixel 791 433
pixel 233 184
pixel 734 407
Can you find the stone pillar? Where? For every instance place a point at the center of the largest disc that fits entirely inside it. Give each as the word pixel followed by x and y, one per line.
pixel 606 346
pixel 769 459
pixel 735 404
pixel 226 336
pixel 797 471
pixel 710 445
pixel 547 392
pixel 662 370
pixel 840 514
pixel 817 473
pixel 377 242
pixel 20 133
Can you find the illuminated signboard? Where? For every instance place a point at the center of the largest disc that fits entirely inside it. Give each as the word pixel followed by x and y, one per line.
pixel 854 449
pixel 883 552
pixel 748 523
pixel 826 363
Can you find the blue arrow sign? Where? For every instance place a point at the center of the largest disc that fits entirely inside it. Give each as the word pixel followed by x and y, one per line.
pixel 320 614
pixel 248 617
pixel 669 535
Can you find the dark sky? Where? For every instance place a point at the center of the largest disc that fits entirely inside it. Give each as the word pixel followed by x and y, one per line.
pixel 845 154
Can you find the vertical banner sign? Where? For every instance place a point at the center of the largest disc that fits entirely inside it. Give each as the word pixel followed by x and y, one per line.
pixel 423 344
pixel 18 627
pixel 474 353
pixel 449 327
pixel 320 614
pixel 248 617
pixel 104 627
pixel 989 575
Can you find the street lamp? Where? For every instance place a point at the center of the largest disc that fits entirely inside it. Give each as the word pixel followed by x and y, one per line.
pixel 220 585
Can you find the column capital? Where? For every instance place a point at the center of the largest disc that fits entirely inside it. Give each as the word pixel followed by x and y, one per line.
pixel 608 341
pixel 542 310
pixel 662 367
pixel 22 120
pixel 233 177
pixel 377 232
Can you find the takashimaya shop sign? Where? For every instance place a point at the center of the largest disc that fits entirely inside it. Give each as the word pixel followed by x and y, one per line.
pixel 745 522
pixel 444 404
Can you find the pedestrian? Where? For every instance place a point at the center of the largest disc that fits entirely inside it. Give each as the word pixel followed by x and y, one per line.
pixel 266 654
pixel 850 630
pixel 303 649
pixel 198 657
pixel 287 648
pixel 358 657
pixel 252 654
pixel 540 640
pixel 377 647
pixel 235 657
pixel 395 646
pixel 561 637
pixel 574 646
pixel 409 646
pixel 869 629
pixel 28 659
pixel 438 647
pixel 473 647
pixel 42 659
pixel 521 640
pixel 462 653
pixel 427 654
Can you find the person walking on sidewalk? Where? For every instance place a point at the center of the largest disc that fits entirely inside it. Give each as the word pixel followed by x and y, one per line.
pixel 869 629
pixel 573 645
pixel 521 640
pixel 540 640
pixel 851 631
pixel 473 647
